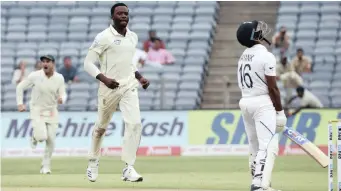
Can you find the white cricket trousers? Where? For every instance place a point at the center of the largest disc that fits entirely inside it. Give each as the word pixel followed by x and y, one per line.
pixel 127 99
pixel 45 131
pixel 259 116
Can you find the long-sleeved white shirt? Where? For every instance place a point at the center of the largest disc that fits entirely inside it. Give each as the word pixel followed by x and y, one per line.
pixel 115 53
pixel 44 96
pixel 17 74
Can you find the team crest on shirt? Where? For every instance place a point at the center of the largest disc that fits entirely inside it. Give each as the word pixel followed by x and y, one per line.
pixel 117 42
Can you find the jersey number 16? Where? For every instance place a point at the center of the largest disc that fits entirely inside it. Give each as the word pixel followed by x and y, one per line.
pixel 244 73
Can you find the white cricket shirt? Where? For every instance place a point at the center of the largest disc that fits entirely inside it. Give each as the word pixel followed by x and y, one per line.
pixel 309 99
pixel 116 54
pixel 253 65
pixel 44 95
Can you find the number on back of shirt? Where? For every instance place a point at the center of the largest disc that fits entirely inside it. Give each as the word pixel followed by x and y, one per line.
pixel 245 78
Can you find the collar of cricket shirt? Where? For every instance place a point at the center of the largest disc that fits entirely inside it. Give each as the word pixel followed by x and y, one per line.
pixel 259 46
pixel 118 34
pixel 45 76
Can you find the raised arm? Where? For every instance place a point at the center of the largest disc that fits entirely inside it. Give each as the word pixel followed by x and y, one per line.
pixel 16 77
pixel 170 57
pixel 308 67
pixel 23 85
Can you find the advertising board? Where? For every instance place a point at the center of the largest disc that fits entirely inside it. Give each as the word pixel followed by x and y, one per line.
pixel 188 133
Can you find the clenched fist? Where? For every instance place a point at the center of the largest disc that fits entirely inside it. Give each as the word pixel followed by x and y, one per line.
pixel 144 82
pixel 21 108
pixel 110 83
pixel 60 100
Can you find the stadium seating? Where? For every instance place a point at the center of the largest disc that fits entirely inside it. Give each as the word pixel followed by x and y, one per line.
pixel 67 28
pixel 315 27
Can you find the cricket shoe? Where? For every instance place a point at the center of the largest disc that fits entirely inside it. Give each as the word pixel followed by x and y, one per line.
pixel 130 174
pixel 45 169
pixel 92 170
pixel 257 188
pixel 34 143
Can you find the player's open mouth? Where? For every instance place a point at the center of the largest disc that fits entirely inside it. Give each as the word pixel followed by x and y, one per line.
pixel 45 68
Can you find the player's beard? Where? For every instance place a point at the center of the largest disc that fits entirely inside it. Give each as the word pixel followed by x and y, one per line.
pixel 120 24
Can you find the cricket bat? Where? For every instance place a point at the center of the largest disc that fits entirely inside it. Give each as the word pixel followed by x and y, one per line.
pixel 307 146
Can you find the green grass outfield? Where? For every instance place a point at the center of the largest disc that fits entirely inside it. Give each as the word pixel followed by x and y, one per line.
pixel 292 173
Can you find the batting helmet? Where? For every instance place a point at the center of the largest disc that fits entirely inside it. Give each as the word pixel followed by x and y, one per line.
pixel 251 31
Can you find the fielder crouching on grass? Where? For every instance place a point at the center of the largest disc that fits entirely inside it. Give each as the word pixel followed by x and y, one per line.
pixel 115 47
pixel 308 100
pixel 48 90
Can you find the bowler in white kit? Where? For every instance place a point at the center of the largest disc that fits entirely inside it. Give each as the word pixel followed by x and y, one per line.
pixel 115 47
pixel 48 90
pixel 260 104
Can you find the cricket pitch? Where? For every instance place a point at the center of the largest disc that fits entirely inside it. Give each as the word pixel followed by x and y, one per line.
pixel 161 174
pixel 82 189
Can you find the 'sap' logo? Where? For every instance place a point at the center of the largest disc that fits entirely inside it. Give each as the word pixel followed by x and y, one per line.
pixel 298 138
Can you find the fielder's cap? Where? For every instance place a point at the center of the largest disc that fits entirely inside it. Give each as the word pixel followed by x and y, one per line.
pixel 49 57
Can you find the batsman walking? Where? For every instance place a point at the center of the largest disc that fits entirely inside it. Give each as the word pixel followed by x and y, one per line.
pixel 115 48
pixel 260 103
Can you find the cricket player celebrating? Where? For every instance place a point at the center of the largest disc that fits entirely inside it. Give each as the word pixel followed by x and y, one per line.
pixel 115 48
pixel 260 103
pixel 48 90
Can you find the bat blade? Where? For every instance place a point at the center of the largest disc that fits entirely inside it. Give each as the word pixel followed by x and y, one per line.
pixel 310 148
